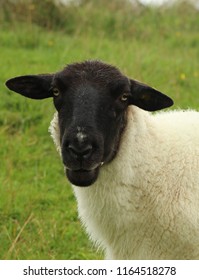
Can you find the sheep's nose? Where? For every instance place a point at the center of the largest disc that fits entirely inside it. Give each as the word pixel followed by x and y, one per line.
pixel 80 151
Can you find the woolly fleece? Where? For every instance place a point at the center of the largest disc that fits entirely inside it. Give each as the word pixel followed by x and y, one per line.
pixel 145 203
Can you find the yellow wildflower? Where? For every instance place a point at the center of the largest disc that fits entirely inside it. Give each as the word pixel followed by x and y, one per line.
pixel 182 76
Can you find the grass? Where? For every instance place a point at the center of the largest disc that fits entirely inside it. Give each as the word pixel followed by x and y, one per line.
pixel 38 211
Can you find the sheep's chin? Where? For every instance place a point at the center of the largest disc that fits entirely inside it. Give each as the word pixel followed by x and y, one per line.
pixel 82 178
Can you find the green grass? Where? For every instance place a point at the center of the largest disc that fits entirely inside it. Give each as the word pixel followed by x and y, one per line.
pixel 38 212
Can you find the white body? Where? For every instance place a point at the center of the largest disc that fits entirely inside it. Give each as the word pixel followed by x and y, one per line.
pixel 145 203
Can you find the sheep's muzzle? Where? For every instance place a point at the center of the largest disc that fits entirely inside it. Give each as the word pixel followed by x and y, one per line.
pixel 81 177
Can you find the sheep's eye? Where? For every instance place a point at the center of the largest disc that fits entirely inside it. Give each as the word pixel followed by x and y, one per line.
pixel 56 92
pixel 124 97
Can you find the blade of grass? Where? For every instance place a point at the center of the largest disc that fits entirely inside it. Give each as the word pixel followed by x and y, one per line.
pixel 13 245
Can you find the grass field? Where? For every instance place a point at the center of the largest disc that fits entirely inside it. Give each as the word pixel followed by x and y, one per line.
pixel 38 213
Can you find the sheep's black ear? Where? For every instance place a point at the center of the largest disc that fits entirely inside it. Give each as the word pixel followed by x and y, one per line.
pixel 32 86
pixel 148 98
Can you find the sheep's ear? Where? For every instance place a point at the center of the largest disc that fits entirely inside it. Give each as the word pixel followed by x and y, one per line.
pixel 148 98
pixel 32 86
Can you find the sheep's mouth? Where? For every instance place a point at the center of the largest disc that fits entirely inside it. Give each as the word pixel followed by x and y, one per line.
pixel 82 177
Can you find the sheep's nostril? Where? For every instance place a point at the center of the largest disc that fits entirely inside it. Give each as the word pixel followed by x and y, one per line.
pixel 82 152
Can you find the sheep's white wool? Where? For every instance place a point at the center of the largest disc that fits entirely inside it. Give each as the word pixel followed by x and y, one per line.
pixel 145 203
pixel 55 133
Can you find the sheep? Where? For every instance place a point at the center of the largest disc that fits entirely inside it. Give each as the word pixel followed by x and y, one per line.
pixel 135 174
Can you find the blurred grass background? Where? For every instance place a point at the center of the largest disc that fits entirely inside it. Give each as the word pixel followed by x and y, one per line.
pixel 38 212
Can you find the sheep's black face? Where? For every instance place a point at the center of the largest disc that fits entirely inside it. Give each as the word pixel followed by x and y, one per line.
pixel 91 99
pixel 91 105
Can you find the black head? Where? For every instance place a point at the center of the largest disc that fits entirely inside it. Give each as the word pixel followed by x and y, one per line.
pixel 91 99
